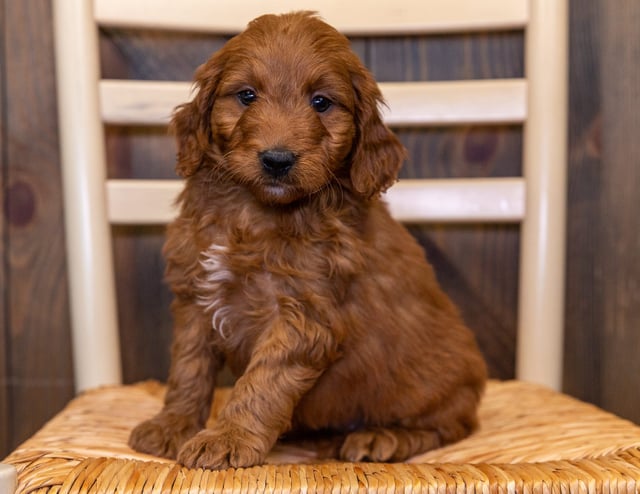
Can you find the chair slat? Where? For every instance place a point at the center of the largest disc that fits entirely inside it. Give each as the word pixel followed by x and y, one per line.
pixel 131 102
pixel 455 102
pixel 469 200
pixel 138 202
pixel 353 17
pixel 458 200
pixel 408 104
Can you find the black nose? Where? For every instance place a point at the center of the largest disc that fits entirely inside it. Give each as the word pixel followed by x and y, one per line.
pixel 277 162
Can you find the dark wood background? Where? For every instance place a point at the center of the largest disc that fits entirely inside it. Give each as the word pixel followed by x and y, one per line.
pixel 477 264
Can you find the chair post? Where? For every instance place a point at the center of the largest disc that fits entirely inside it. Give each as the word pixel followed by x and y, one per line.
pixel 8 476
pixel 542 256
pixel 96 349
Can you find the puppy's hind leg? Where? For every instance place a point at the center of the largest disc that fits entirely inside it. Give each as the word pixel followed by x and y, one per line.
pixel 387 444
pixel 451 422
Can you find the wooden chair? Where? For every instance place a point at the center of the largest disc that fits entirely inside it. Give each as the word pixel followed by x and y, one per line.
pixel 532 439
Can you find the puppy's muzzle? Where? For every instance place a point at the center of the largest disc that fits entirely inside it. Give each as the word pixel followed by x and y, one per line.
pixel 277 162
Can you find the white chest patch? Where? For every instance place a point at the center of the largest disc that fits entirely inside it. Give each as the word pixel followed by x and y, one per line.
pixel 211 286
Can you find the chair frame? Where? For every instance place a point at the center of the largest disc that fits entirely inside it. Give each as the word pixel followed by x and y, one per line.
pixel 8 479
pixel 537 199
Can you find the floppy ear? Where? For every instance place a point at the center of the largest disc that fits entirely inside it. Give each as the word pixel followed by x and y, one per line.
pixel 191 122
pixel 378 154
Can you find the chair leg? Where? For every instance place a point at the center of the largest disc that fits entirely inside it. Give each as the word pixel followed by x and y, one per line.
pixel 7 479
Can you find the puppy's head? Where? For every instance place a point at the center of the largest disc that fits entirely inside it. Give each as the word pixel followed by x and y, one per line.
pixel 287 108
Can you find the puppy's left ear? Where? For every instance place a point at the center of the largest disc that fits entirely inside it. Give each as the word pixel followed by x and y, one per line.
pixel 378 154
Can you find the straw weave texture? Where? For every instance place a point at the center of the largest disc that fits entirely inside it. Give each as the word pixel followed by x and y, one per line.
pixel 530 440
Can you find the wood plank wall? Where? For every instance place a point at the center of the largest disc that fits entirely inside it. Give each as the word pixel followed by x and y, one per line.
pixel 619 207
pixel 476 264
pixel 36 376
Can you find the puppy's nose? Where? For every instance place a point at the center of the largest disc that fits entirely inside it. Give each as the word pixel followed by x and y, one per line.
pixel 277 162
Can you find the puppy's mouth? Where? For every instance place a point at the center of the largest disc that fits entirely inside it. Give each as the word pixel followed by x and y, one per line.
pixel 276 184
pixel 277 191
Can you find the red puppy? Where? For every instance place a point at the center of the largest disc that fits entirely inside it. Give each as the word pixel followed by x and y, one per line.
pixel 285 264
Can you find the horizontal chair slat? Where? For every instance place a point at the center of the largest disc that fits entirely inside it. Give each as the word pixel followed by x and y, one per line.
pixel 132 102
pixel 454 102
pixel 469 200
pixel 408 104
pixel 142 202
pixel 458 200
pixel 352 18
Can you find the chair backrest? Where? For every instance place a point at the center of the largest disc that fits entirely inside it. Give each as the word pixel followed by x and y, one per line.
pixel 536 199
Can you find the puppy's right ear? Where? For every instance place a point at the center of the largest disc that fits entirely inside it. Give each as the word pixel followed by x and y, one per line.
pixel 191 122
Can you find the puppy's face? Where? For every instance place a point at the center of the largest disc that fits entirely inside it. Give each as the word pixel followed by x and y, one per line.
pixel 283 114
pixel 286 108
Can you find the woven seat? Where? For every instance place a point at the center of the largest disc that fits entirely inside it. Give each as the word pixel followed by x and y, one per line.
pixel 531 439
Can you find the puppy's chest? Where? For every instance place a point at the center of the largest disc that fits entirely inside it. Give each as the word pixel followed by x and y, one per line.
pixel 242 285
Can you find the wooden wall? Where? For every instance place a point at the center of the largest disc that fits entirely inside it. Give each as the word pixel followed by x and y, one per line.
pixel 36 372
pixel 477 264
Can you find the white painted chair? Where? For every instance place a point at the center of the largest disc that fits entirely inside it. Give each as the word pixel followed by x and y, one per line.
pixel 536 200
pixel 7 479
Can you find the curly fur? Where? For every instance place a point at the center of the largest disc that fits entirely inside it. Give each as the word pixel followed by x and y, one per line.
pixel 298 278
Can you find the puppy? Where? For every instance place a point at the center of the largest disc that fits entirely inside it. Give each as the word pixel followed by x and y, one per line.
pixel 286 265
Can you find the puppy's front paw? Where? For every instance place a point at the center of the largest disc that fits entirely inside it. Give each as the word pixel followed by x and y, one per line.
pixel 221 449
pixel 162 435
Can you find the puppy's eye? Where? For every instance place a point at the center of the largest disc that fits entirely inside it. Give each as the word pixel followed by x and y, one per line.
pixel 320 103
pixel 247 96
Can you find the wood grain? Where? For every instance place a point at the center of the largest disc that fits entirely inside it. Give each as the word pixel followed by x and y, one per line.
pixel 584 291
pixel 619 207
pixel 39 361
pixel 5 407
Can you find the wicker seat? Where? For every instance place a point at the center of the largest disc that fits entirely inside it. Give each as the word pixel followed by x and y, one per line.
pixel 532 438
